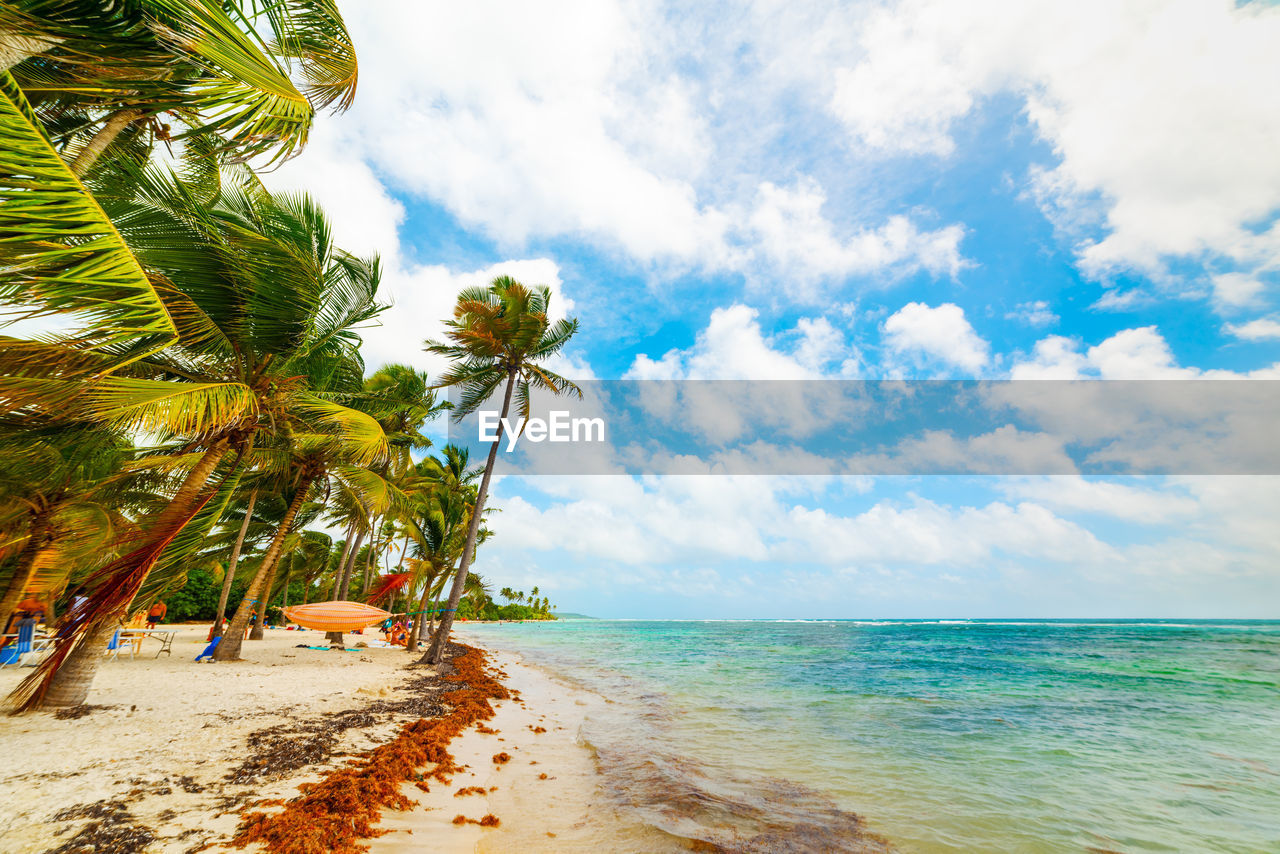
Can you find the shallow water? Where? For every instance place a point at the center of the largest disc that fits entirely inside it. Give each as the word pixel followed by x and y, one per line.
pixel 944 736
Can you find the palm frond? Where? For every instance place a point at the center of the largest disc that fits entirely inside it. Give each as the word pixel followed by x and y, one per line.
pixel 59 252
pixel 361 434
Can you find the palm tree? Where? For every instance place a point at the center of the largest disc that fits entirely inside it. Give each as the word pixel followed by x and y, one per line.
pixel 320 462
pixel 438 534
pixel 54 483
pixel 93 70
pixel 106 73
pixel 229 576
pixel 500 334
pixel 266 320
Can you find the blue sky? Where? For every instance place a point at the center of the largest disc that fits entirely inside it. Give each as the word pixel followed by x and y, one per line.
pixel 918 189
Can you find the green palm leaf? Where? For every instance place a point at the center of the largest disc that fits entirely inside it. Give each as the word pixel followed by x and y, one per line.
pixel 245 95
pixel 361 434
pixel 59 252
pixel 169 408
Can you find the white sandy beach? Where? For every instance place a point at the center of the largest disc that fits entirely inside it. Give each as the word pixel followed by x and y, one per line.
pixel 173 729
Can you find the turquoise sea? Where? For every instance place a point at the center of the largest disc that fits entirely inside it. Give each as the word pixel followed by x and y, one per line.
pixel 942 736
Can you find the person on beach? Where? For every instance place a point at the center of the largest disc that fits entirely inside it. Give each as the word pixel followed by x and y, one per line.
pixel 156 614
pixel 29 607
pixel 79 600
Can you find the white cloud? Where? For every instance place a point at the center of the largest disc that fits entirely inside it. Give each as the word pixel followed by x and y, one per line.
pixel 941 333
pixel 1035 313
pixel 1106 498
pixel 1131 354
pixel 584 120
pixel 1256 330
pixel 1136 354
pixel 1053 358
pixel 734 347
pixel 1236 290
pixel 795 237
pixel 1163 115
pixel 1207 546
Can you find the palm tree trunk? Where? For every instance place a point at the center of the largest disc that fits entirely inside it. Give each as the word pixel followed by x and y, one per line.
pixel 260 624
pixel 26 564
pixel 189 492
pixel 345 589
pixel 231 566
pixel 229 649
pixel 16 47
pixel 368 563
pixel 288 576
pixel 69 686
pixel 411 645
pixel 435 652
pixel 335 638
pixel 102 139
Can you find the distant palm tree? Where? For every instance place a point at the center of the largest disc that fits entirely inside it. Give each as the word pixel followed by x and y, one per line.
pixel 498 335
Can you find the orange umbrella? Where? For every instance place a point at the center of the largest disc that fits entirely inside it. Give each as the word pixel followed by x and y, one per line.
pixel 335 616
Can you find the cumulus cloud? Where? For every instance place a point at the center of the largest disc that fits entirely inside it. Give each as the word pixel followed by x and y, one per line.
pixel 734 347
pixel 1264 328
pixel 584 120
pixel 1187 173
pixel 795 237
pixel 1131 354
pixel 1236 290
pixel 917 331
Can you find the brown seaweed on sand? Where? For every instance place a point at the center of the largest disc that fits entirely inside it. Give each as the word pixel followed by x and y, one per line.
pixel 112 829
pixel 489 820
pixel 333 814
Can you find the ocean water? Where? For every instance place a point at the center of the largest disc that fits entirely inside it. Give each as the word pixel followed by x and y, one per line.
pixel 934 736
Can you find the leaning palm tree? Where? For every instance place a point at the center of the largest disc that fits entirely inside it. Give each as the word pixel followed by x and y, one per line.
pixel 318 463
pixel 54 483
pixel 499 336
pixel 267 310
pixel 86 76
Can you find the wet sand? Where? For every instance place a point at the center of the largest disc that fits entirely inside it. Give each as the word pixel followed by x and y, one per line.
pixel 172 752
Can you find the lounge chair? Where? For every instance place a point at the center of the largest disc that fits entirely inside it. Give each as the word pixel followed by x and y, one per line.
pixel 26 651
pixel 208 650
pixel 139 621
pixel 115 647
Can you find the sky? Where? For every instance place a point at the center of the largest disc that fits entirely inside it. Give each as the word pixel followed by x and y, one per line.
pixel 998 189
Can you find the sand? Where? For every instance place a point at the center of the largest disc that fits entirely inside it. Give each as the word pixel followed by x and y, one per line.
pixel 168 732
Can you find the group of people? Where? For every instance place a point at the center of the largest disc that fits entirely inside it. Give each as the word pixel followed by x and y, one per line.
pixel 34 608
pixel 397 631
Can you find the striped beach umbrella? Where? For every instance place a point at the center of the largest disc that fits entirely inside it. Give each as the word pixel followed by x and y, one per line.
pixel 335 616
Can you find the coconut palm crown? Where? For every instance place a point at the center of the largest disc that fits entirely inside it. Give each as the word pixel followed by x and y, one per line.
pixel 498 335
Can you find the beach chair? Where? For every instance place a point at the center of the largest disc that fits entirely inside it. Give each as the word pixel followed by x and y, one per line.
pixel 208 650
pixel 26 651
pixel 139 621
pixel 115 647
